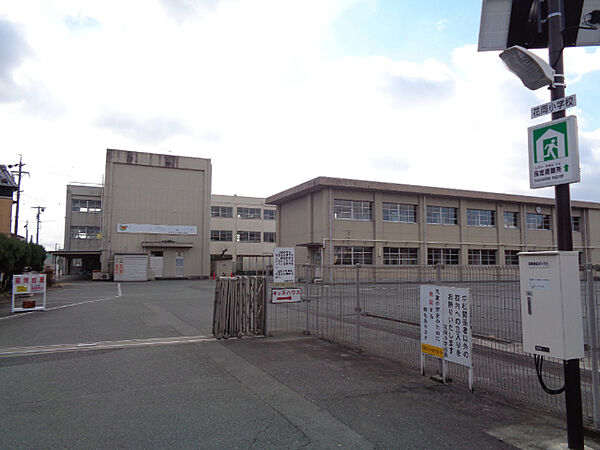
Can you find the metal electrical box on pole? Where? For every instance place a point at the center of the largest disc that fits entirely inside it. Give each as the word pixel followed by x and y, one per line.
pixel 551 304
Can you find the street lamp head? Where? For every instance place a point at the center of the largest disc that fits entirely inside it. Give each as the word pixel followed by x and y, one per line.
pixel 532 70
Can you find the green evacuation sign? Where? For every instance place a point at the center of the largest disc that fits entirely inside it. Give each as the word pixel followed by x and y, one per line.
pixel 553 153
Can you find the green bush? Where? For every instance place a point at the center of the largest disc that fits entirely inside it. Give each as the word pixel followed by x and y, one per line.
pixel 16 255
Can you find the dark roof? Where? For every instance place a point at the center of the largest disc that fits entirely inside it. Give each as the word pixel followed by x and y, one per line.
pixel 6 178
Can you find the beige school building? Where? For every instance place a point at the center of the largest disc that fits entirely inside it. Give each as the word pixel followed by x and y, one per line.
pixel 335 221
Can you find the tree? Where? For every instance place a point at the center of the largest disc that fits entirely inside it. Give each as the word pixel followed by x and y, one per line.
pixel 16 255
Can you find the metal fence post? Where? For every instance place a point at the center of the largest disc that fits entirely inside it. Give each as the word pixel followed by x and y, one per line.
pixel 306 299
pixel 357 309
pixel 265 298
pixel 441 361
pixel 593 342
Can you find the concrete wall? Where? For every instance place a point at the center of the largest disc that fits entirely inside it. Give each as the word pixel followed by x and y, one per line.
pixel 146 188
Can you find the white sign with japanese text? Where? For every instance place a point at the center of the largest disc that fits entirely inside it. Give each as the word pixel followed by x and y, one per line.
pixel 292 295
pixel 457 326
pixel 431 321
pixel 555 105
pixel 284 265
pixel 446 323
pixel 28 284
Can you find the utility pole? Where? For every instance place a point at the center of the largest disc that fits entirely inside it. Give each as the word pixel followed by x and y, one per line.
pixel 564 230
pixel 40 209
pixel 26 230
pixel 19 173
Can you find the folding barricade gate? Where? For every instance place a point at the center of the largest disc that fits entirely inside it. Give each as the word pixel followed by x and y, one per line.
pixel 239 307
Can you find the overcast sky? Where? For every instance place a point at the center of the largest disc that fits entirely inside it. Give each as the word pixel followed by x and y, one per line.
pixel 274 92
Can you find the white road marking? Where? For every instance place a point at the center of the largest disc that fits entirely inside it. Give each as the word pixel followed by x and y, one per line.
pixel 103 345
pixel 68 305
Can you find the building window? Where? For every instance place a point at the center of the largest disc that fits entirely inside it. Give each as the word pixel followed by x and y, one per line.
pixel 442 215
pixel 538 221
pixel 400 256
pixel 221 235
pixel 85 232
pixel 347 256
pixel 576 223
pixel 248 213
pixel 80 205
pixel 352 209
pixel 511 257
pixel 482 257
pixel 396 212
pixel 481 218
pixel 445 256
pixel 248 236
pixel 268 236
pixel 269 214
pixel 511 219
pixel 221 211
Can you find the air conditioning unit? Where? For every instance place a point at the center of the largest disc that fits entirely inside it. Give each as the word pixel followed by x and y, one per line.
pixel 105 276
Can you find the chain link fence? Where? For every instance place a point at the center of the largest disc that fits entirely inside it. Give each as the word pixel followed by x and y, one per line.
pixel 376 310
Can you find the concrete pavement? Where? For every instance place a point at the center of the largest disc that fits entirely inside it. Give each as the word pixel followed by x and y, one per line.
pixel 140 370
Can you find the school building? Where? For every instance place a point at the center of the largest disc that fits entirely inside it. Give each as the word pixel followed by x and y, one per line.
pixel 335 221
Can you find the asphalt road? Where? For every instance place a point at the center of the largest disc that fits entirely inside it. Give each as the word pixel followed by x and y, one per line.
pixel 134 366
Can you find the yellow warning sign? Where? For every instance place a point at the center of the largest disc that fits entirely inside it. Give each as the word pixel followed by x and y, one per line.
pixel 432 350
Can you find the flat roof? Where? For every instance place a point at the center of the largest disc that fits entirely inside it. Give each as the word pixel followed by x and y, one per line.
pixel 320 183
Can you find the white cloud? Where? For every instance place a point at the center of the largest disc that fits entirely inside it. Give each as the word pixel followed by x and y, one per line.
pixel 248 84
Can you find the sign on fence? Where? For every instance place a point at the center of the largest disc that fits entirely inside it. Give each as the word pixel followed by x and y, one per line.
pixel 431 321
pixel 446 329
pixel 286 295
pixel 458 338
pixel 446 323
pixel 283 265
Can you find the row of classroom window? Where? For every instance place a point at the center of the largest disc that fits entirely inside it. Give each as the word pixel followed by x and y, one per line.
pixel 241 236
pixel 345 255
pixel 242 213
pixel 441 215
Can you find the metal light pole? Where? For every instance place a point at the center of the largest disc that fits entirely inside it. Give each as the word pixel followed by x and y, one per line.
pixel 564 230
